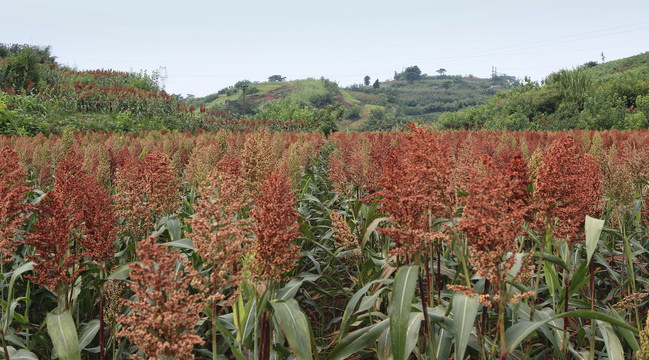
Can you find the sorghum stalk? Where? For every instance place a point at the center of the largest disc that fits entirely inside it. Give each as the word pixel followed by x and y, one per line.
pixel 533 299
pixel 592 308
pixel 4 344
pixel 101 323
pixel 214 320
pixel 566 286
pixel 501 323
pixel 424 308
pixel 631 272
pixel 483 324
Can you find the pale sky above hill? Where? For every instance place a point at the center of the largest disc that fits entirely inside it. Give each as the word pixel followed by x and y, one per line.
pixel 208 45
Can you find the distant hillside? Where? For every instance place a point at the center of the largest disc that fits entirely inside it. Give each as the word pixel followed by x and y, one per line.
pixel 614 95
pixel 37 95
pixel 374 107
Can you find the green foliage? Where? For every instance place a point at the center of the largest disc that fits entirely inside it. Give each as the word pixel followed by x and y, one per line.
pixel 353 113
pixel 276 78
pixel 23 71
pixel 412 73
pixel 327 119
pixel 64 336
pixel 124 122
pixel 606 96
pixel 284 110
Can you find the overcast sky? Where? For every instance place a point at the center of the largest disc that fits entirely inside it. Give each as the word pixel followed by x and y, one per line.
pixel 208 45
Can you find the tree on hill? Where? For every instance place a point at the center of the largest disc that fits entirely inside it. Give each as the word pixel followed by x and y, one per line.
pixel 366 80
pixel 412 73
pixel 376 84
pixel 276 78
pixel 441 71
pixel 23 70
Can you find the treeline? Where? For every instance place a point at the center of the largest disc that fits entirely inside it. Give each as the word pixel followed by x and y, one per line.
pixel 614 95
pixel 417 97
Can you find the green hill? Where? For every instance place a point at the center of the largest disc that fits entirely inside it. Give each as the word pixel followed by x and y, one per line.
pixel 39 96
pixel 612 95
pixel 377 107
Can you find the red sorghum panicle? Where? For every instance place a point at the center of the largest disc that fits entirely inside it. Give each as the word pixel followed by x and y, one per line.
pixel 163 310
pixel 75 219
pixel 275 228
pixel 568 187
pixel 147 190
pixel 219 233
pixel 12 207
pixel 350 163
pixel 417 188
pixel 99 222
pixel 496 205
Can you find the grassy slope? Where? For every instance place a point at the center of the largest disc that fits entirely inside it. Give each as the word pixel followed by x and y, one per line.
pixel 620 65
pixel 621 80
pixel 425 98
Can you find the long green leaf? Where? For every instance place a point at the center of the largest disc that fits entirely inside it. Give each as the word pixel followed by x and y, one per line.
pixel 229 338
pixel 519 331
pixel 516 333
pixel 20 354
pixel 400 304
pixel 173 225
pixel 370 229
pixel 443 346
pixel 626 334
pixel 383 344
pixel 351 305
pixel 612 342
pixel 465 310
pixel 295 327
pixel 554 260
pixel 369 300
pixel 181 243
pixel 120 273
pixel 64 336
pixel 358 340
pixel 590 314
pixel 551 278
pixel 593 228
pixel 87 333
pixel 290 289
pixel 29 266
pixel 412 336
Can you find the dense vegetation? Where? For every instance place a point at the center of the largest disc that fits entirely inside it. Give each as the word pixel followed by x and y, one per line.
pixel 135 224
pixel 39 96
pixel 613 95
pixel 283 244
pixel 380 106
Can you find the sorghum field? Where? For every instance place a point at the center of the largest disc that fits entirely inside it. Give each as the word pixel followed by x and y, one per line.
pixel 414 244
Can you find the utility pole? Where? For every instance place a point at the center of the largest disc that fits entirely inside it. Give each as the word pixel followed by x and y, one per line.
pixel 244 99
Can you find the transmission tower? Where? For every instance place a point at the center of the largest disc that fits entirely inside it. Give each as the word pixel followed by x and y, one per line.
pixel 162 76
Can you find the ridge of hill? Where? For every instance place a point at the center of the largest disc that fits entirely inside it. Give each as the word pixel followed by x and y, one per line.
pixel 377 107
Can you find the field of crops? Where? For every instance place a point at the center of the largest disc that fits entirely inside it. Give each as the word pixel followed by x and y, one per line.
pixel 398 245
